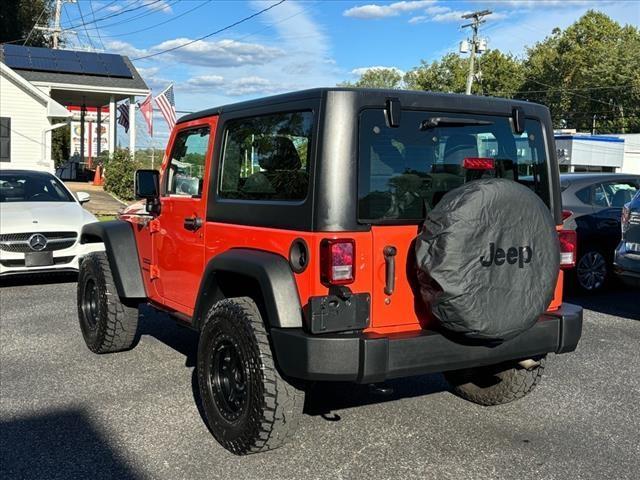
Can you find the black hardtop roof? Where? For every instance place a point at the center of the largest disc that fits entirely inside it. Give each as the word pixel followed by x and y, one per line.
pixel 413 98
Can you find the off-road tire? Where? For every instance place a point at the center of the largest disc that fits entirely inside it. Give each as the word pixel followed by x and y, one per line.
pixel 271 407
pixel 496 384
pixel 106 323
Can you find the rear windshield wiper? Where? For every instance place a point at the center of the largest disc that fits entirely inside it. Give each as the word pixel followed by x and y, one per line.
pixel 435 122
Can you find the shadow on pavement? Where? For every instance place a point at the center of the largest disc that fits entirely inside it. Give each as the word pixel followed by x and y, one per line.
pixel 620 302
pixel 324 398
pixel 40 279
pixel 63 444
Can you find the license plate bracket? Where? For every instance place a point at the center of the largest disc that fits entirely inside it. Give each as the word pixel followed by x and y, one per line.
pixel 38 259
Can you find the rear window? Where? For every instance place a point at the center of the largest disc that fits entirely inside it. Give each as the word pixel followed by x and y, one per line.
pixel 406 170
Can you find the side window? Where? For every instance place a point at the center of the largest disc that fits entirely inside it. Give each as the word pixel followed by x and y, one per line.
pixel 5 139
pixel 620 192
pixel 185 173
pixel 266 157
pixel 600 197
pixel 584 195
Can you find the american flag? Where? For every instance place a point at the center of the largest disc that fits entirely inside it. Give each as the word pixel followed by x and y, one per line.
pixel 167 105
pixel 123 120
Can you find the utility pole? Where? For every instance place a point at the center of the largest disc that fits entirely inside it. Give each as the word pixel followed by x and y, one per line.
pixel 474 42
pixel 55 31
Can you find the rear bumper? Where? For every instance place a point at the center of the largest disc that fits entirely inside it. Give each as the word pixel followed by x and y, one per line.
pixel 626 266
pixel 368 358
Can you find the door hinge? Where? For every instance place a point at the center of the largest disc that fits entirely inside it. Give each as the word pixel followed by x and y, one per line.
pixel 154 226
pixel 154 272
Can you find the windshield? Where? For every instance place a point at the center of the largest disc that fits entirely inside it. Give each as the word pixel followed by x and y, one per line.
pixel 406 170
pixel 32 187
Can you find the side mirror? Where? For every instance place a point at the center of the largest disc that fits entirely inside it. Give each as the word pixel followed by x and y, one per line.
pixel 83 197
pixel 147 184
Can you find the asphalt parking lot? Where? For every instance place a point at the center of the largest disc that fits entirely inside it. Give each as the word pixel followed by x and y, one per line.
pixel 67 413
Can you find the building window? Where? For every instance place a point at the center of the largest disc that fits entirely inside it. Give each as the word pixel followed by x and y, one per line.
pixel 5 139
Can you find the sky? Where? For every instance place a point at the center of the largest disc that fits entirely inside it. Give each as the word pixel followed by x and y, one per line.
pixel 300 44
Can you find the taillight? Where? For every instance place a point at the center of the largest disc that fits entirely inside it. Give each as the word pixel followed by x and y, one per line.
pixel 568 248
pixel 478 163
pixel 626 217
pixel 566 214
pixel 336 261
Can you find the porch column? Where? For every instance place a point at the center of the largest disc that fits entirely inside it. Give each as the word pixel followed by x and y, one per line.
pixel 132 126
pixel 99 130
pixel 112 125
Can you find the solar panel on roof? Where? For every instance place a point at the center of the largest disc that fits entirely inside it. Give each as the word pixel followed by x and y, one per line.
pixel 116 66
pixel 65 61
pixel 17 61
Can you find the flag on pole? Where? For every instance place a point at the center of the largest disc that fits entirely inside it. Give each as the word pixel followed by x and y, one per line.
pixel 146 108
pixel 123 120
pixel 167 105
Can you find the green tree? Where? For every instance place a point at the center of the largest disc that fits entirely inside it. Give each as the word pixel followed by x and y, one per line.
pixel 60 145
pixel 377 78
pixel 448 74
pixel 17 18
pixel 591 68
pixel 501 75
pixel 118 175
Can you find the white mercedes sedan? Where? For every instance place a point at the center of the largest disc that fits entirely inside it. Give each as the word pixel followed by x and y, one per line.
pixel 40 224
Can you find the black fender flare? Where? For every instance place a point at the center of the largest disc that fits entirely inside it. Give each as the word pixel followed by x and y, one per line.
pixel 274 276
pixel 122 252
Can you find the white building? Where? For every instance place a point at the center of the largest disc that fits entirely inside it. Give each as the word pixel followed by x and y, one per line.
pixel 27 116
pixel 38 84
pixel 631 159
pixel 589 153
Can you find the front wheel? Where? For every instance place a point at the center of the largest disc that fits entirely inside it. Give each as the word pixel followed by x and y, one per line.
pixel 107 324
pixel 496 384
pixel 249 407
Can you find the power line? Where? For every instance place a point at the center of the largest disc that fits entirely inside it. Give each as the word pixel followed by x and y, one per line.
pixel 202 4
pixel 116 14
pixel 85 26
pixel 93 15
pixel 130 19
pixel 212 33
pixel 101 8
pixel 35 24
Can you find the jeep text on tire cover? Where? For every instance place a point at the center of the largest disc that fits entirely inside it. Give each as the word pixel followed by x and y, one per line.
pixel 343 235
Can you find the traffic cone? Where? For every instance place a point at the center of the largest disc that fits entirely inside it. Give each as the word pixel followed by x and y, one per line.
pixel 97 178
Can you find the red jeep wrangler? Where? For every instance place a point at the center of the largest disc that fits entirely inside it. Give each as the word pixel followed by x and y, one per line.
pixel 343 235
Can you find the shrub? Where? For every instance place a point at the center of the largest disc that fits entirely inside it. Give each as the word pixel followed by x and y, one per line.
pixel 118 175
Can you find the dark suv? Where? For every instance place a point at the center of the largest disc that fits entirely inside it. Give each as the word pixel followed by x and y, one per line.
pixel 627 257
pixel 343 235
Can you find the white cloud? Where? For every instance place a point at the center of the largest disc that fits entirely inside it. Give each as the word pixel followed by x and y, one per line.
pixel 362 70
pixel 123 48
pixel 373 11
pixel 253 85
pixel 446 15
pixel 222 53
pixel 114 8
pixel 206 81
pixel 161 5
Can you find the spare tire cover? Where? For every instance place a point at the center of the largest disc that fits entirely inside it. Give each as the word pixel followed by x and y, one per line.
pixel 488 258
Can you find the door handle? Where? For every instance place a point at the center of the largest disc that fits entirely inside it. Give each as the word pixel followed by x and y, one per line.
pixel 389 253
pixel 192 223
